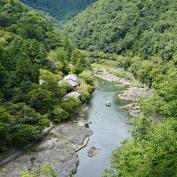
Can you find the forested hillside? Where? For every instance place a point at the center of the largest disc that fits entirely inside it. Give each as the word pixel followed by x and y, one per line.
pixel 147 27
pixel 145 34
pixel 31 49
pixel 60 9
pixel 35 56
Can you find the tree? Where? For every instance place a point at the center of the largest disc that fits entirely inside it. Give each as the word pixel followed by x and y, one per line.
pixel 50 83
pixel 88 77
pixel 46 170
pixel 5 138
pixel 5 128
pixel 59 114
pixel 63 57
pixel 154 155
pixel 41 100
pixel 25 70
pixel 26 37
pixel 58 9
pixel 25 134
pixel 79 67
pixel 71 105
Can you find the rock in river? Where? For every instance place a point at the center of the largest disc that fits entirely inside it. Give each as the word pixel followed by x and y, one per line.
pixel 92 152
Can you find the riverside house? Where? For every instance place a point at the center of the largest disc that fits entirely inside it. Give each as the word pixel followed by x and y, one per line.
pixel 72 79
pixel 73 94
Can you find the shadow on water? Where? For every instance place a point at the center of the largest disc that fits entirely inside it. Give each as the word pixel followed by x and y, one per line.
pixel 109 126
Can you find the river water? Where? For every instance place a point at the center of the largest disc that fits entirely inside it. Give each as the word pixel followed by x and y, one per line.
pixel 110 128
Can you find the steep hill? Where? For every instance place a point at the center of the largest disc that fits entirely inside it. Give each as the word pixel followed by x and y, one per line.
pixel 60 9
pixel 148 27
pixel 32 49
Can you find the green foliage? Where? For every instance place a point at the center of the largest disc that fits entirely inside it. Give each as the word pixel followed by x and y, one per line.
pixel 164 104
pixel 141 127
pixel 68 59
pixel 41 100
pixel 23 50
pixel 26 134
pixel 124 74
pixel 32 50
pixel 132 28
pixel 46 171
pixel 118 26
pixel 20 125
pixel 63 57
pixel 154 155
pixel 71 105
pixel 60 9
pixel 50 83
pixel 60 114
pixel 152 150
pixel 85 90
pixel 88 77
pixel 144 33
pixel 27 174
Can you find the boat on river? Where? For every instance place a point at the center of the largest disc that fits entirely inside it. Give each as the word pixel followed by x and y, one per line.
pixel 108 104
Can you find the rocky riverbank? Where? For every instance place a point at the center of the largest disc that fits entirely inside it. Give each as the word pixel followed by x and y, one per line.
pixel 106 75
pixel 58 148
pixel 133 92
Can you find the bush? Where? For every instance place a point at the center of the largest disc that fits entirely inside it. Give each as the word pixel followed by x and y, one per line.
pixel 85 91
pixel 25 134
pixel 41 100
pixel 88 77
pixel 59 114
pixel 71 105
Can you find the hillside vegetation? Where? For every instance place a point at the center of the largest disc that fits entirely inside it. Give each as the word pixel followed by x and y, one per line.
pixel 152 150
pixel 31 49
pixel 60 9
pixel 147 28
pixel 144 33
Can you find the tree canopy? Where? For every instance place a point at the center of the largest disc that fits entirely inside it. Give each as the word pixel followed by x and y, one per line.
pixel 31 50
pixel 115 26
pixel 60 9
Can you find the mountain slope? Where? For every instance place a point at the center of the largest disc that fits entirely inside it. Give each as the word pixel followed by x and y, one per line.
pixel 60 9
pixel 145 33
pixel 147 27
pixel 31 49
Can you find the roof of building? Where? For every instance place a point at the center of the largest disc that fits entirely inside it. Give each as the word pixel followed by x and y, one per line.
pixel 71 77
pixel 72 83
pixel 73 94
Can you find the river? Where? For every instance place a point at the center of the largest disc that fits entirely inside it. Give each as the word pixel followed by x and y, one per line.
pixel 110 128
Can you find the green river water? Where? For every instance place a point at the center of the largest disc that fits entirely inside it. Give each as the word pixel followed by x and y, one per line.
pixel 109 126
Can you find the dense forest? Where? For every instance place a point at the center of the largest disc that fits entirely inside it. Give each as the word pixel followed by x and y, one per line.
pixel 31 49
pixel 152 150
pixel 144 33
pixel 115 26
pixel 60 9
